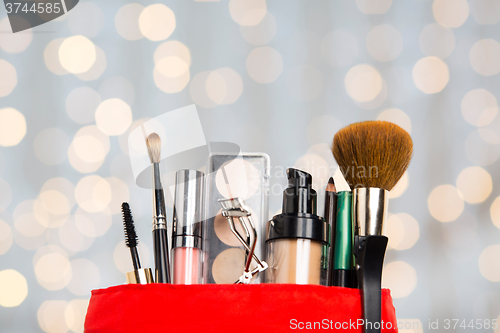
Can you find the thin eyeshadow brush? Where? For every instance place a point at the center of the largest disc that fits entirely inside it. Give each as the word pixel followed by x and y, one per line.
pixel 160 235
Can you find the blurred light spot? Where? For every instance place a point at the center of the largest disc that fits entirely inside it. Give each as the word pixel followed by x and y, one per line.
pixel 487 116
pixel 119 194
pixel 411 325
pixel 384 42
pixel 77 54
pixel 81 104
pixel 51 57
pixel 324 150
pixel 172 66
pixel 198 90
pixel 13 43
pixel 224 86
pixel 72 238
pixel 475 102
pixel 321 129
pixel 431 75
pixel 13 288
pixel 485 11
pixel 264 64
pixel 75 313
pixel 397 117
pixel 403 231
pixel 51 316
pixel 88 149
pixel 157 22
pixel 450 13
pixel 261 33
pixel 113 116
pixel 495 212
pixel 485 57
pixel 237 178
pixel 93 224
pixel 97 68
pixel 480 152
pixel 60 198
pixel 489 263
pixel 5 195
pixel 123 139
pixel 93 193
pixel 363 83
pixel 6 238
pixel 88 20
pixel 118 87
pixel 55 202
pixel 12 127
pixel 316 166
pixel 400 277
pixel 47 219
pixel 122 259
pixel 127 21
pixel 85 277
pixel 339 48
pixel 400 187
pixel 171 84
pixel 437 40
pixel 172 48
pixel 305 83
pixel 377 101
pixel 51 146
pixel 475 184
pixel 247 12
pixel 28 225
pixel 9 78
pixel 53 271
pixel 373 6
pixel 445 203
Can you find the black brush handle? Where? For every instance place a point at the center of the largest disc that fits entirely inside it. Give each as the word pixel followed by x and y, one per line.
pixel 160 244
pixel 370 259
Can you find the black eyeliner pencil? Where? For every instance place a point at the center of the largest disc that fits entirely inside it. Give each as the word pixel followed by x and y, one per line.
pixel 330 218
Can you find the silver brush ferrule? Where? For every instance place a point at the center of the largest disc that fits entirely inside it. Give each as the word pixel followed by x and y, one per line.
pixel 159 212
pixel 370 207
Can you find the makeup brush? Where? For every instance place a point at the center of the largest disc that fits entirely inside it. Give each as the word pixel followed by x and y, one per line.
pixel 139 275
pixel 160 236
pixel 372 156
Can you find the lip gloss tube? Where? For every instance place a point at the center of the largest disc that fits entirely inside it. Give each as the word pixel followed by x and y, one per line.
pixel 187 227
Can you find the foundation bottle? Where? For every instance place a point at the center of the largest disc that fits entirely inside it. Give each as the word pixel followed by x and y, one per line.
pixel 297 240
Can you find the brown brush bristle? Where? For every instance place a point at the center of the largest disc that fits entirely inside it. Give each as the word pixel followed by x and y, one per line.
pixel 154 147
pixel 372 153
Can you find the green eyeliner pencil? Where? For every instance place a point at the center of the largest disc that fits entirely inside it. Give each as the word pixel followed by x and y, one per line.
pixel 344 239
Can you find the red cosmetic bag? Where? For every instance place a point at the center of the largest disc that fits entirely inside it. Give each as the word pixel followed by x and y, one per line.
pixel 230 308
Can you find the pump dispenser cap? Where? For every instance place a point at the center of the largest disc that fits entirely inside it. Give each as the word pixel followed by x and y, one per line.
pixel 299 197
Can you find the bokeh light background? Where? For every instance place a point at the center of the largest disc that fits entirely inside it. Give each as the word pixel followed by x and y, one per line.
pixel 275 77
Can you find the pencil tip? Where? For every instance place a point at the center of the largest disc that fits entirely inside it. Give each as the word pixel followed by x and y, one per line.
pixel 330 187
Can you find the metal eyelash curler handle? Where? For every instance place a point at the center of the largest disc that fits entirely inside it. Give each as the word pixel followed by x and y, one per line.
pixel 235 208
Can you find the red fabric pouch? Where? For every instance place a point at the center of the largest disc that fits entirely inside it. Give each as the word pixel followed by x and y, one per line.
pixel 230 308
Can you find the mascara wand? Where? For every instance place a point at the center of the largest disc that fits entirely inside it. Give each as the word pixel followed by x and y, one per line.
pixel 139 275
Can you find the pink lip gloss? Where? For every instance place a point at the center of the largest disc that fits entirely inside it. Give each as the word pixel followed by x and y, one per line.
pixel 187 228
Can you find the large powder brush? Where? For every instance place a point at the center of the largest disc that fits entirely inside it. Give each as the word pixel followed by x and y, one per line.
pixel 372 156
pixel 372 153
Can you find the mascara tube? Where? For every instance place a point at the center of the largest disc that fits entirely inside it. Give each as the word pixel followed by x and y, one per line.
pixel 187 227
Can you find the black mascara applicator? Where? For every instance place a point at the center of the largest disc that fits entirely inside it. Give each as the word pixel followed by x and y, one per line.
pixel 138 275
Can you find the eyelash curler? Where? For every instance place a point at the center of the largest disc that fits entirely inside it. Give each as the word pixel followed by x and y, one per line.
pixel 235 208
